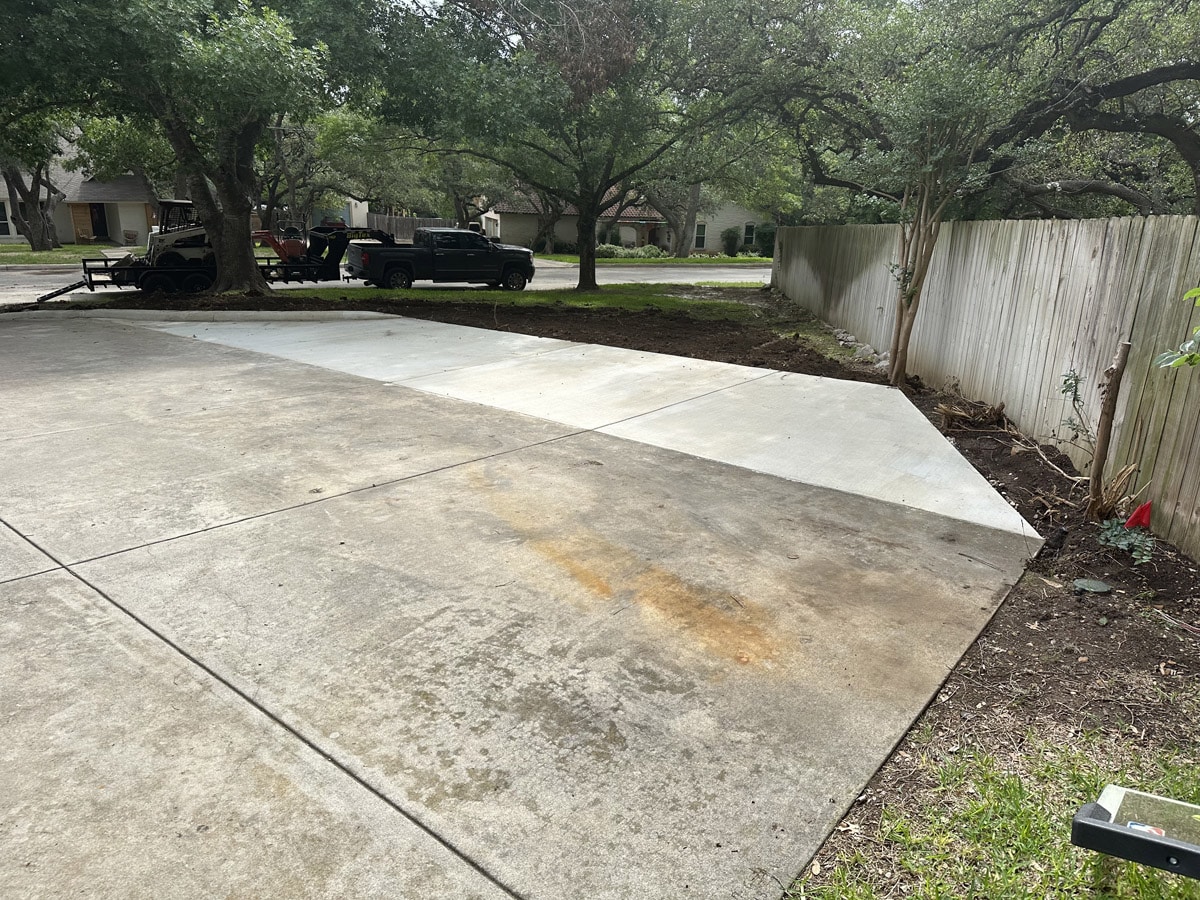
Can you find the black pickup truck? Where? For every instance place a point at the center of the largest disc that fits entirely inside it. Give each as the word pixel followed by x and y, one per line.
pixel 439 254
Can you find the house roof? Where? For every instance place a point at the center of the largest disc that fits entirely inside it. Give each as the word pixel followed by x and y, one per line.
pixel 122 189
pixel 531 205
pixel 79 188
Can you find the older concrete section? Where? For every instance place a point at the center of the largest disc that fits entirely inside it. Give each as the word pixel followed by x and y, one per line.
pixel 606 670
pixel 586 666
pixel 130 446
pixel 19 558
pixel 125 771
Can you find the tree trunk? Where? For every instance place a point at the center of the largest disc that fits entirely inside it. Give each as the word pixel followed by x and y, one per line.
pixel 222 191
pixel 1108 409
pixel 917 241
pixel 683 240
pixel 550 210
pixel 37 225
pixel 586 236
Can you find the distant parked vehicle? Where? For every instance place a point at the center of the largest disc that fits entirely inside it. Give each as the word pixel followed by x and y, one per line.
pixel 439 254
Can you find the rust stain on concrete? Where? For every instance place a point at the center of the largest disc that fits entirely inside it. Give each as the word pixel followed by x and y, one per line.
pixel 723 624
pixel 563 554
pixel 720 623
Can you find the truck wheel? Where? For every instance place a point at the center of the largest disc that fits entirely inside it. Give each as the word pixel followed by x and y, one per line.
pixel 514 280
pixel 157 283
pixel 397 279
pixel 197 283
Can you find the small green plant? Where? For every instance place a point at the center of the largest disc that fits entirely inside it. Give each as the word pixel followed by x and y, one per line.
pixel 1138 541
pixel 764 240
pixel 1188 353
pixel 1076 423
pixel 982 825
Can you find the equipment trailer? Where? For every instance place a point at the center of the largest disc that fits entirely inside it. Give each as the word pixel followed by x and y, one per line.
pixel 179 257
pixel 318 259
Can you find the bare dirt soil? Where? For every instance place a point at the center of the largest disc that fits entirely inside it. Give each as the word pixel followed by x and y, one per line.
pixel 1116 662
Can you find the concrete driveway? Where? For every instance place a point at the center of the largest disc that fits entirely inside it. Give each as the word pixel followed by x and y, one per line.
pixel 376 607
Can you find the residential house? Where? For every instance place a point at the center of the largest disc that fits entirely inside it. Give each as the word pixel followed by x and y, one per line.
pixel 516 222
pixel 121 210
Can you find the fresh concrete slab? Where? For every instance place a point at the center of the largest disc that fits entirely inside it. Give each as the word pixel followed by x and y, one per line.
pixel 599 668
pixel 19 558
pixel 586 385
pixel 126 771
pixel 860 438
pixel 386 348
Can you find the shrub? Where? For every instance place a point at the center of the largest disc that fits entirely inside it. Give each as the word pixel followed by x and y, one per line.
pixel 565 247
pixel 612 251
pixel 731 239
pixel 764 240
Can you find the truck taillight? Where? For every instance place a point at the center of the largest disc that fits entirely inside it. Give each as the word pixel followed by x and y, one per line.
pixel 366 259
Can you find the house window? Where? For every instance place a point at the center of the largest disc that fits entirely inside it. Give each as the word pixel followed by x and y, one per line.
pixel 700 236
pixel 749 234
pixel 4 229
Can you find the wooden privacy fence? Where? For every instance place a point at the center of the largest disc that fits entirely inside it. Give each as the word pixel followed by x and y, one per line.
pixel 1010 307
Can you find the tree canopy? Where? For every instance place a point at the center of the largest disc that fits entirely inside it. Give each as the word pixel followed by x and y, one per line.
pixel 576 99
pixel 945 108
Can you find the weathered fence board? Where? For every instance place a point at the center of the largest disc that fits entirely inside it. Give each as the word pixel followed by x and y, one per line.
pixel 1011 307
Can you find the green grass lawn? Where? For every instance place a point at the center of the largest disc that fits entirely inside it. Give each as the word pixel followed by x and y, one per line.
pixel 981 824
pixel 67 254
pixel 665 261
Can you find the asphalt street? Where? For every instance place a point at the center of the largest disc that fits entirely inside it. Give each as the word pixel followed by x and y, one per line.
pixel 24 284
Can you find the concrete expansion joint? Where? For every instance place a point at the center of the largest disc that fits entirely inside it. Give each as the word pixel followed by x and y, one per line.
pixel 599 429
pixel 41 551
pixel 274 718
pixel 277 720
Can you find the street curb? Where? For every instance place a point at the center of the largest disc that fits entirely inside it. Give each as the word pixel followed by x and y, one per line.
pixel 55 267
